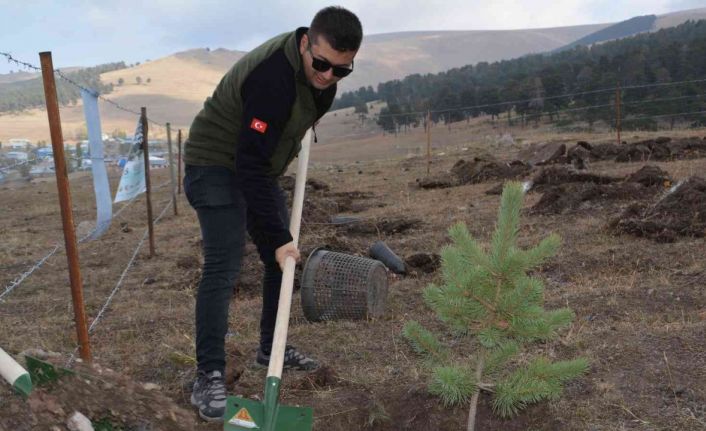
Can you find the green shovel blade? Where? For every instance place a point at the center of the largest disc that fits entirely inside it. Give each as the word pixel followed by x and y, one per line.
pixel 43 372
pixel 247 415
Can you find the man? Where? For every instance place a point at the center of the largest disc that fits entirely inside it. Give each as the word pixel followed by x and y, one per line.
pixel 245 136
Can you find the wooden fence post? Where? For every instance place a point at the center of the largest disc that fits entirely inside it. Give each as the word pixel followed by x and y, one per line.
pixel 148 191
pixel 67 218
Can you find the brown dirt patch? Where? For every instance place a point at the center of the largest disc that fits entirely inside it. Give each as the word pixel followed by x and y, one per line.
pixel 662 149
pixel 424 262
pixel 635 300
pixel 650 175
pixel 385 225
pixel 578 196
pixel 441 181
pixel 355 201
pixel 543 154
pixel 324 377
pixel 556 175
pixel 100 394
pixel 680 213
pixel 485 168
pixel 414 408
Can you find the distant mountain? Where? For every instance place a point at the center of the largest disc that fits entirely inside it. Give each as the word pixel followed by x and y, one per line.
pixel 627 28
pixel 179 83
pixel 384 57
pixel 675 18
pixel 221 58
pixel 636 25
pixel 18 76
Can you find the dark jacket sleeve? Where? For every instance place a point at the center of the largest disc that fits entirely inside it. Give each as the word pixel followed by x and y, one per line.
pixel 268 95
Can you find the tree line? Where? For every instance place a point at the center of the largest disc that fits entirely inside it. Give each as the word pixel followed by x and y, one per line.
pixel 531 88
pixel 28 94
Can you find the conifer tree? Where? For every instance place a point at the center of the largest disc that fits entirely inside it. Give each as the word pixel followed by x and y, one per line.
pixel 490 303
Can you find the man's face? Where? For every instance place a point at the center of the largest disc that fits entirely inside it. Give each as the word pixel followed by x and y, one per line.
pixel 321 50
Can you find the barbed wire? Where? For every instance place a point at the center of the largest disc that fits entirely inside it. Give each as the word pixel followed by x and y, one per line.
pixel 7 168
pixel 607 105
pixel 511 102
pixel 664 115
pixel 120 282
pixel 37 265
pixel 61 75
pixel 132 199
pixel 17 281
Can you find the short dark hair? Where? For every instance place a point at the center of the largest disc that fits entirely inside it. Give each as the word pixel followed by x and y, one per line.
pixel 340 27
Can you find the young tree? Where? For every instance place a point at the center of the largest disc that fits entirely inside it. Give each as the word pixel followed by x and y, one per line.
pixel 138 80
pixel 121 81
pixel 488 299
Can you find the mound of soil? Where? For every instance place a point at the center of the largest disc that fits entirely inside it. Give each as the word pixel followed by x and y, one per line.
pixel 659 149
pixel 442 181
pixel 354 201
pixel 318 209
pixel 575 196
pixel 682 212
pixel 556 175
pixel 544 154
pixel 424 262
pixel 387 226
pixel 579 157
pixel 104 396
pixel 662 149
pixel 486 168
pixel 650 175
pixel 605 151
pixel 320 204
pixel 324 377
pixel 595 191
pixel 687 148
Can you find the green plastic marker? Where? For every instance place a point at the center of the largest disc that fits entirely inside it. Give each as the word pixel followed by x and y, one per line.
pixel 15 375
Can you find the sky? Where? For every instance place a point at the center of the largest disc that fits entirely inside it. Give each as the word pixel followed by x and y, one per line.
pixel 87 33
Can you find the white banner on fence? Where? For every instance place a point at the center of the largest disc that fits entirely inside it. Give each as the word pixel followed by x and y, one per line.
pixel 101 186
pixel 132 183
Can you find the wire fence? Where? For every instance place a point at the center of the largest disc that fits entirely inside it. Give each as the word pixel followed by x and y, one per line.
pixel 119 283
pixel 36 266
pixel 545 98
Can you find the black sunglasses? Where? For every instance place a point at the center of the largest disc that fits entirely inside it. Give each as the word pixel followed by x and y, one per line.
pixel 323 65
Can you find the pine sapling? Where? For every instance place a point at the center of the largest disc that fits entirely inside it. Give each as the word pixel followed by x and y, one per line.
pixel 490 303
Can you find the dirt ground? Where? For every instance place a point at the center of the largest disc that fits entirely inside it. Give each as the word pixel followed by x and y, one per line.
pixel 640 303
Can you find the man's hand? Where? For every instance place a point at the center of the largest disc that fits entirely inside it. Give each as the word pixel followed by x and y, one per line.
pixel 286 250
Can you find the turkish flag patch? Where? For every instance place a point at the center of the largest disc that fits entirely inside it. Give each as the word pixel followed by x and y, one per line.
pixel 258 125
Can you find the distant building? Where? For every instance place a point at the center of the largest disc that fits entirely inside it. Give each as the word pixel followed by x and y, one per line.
pixel 43 168
pixel 20 156
pixel 45 152
pixel 157 162
pixel 20 144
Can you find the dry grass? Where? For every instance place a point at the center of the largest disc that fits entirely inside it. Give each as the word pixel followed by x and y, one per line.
pixel 636 301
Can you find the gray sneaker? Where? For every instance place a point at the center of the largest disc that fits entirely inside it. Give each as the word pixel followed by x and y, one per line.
pixel 293 359
pixel 209 395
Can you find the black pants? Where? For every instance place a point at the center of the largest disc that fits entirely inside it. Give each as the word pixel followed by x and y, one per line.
pixel 224 220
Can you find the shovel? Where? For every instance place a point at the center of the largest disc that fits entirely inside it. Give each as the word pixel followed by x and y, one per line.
pixel 246 414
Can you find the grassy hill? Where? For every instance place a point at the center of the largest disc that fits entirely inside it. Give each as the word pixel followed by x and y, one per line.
pixel 179 83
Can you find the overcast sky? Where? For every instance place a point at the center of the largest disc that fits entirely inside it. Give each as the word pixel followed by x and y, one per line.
pixel 86 33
